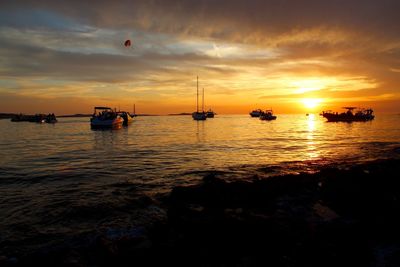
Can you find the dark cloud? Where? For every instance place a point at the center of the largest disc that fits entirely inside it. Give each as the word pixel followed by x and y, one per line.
pixel 233 19
pixel 24 60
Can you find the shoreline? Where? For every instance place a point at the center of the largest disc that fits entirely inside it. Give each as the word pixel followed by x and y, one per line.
pixel 332 217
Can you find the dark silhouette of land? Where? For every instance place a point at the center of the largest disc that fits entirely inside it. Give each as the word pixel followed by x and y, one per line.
pixel 180 114
pixel 75 115
pixel 7 115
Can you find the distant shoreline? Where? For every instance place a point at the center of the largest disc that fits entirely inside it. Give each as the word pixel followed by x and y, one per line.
pixel 12 115
pixel 180 114
pixel 74 116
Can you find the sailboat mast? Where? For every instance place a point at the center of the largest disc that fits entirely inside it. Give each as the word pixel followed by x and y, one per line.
pixel 203 101
pixel 197 99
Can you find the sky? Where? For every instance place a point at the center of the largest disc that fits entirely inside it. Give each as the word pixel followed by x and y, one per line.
pixel 292 56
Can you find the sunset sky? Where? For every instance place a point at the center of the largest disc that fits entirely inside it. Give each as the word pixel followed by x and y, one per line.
pixel 293 56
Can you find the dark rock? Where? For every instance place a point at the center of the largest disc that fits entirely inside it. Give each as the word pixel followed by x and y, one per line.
pixel 335 217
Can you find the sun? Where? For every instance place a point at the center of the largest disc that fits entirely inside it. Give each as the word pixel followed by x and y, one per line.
pixel 311 103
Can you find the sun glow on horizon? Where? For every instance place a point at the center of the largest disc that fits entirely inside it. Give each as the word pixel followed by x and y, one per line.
pixel 311 103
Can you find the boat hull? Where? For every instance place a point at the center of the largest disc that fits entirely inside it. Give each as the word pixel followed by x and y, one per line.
pixel 106 124
pixel 267 118
pixel 210 115
pixel 199 116
pixel 344 118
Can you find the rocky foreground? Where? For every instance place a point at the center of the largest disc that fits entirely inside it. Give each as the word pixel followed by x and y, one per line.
pixel 335 217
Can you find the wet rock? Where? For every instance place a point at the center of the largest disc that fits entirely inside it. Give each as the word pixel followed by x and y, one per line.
pixel 328 218
pixel 335 217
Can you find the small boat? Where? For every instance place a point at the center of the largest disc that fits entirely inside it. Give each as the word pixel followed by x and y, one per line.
pixel 349 116
pixel 197 115
pixel 39 118
pixel 51 118
pixel 126 116
pixel 105 118
pixel 256 113
pixel 210 113
pixel 267 115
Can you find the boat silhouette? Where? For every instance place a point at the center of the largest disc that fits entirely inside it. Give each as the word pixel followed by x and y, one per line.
pixel 352 114
pixel 105 118
pixel 197 115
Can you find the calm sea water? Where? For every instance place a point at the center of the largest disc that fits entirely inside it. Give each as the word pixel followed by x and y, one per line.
pixel 65 180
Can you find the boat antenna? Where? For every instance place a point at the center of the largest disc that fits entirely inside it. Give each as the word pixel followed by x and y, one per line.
pixel 197 99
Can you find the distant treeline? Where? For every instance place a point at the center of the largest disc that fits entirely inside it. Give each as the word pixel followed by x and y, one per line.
pixel 7 115
pixel 74 115
pixel 180 114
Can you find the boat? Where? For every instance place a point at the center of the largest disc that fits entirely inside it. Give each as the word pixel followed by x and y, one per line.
pixel 256 113
pixel 267 115
pixel 105 118
pixel 51 118
pixel 197 115
pixel 39 118
pixel 126 116
pixel 352 114
pixel 210 113
pixel 19 117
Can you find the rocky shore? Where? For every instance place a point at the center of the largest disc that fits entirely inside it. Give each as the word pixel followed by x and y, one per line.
pixel 335 217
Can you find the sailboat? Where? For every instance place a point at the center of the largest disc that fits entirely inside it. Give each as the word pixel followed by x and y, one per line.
pixel 199 116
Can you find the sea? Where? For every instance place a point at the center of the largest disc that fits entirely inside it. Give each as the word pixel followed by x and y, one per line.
pixel 65 183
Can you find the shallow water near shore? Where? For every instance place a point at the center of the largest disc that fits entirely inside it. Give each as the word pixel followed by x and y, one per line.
pixel 64 180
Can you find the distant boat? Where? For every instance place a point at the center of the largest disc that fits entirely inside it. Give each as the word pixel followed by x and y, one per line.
pixel 349 115
pixel 210 113
pixel 126 116
pixel 39 118
pixel 199 116
pixel 105 118
pixel 267 115
pixel 51 118
pixel 256 113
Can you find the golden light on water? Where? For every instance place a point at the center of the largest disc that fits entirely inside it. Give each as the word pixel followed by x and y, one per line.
pixel 312 150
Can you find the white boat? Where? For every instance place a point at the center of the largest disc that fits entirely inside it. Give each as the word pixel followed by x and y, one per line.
pixel 126 116
pixel 197 115
pixel 105 117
